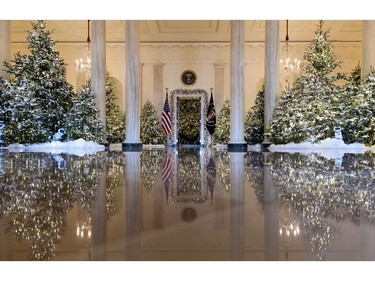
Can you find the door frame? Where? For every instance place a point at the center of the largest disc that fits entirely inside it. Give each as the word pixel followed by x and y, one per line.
pixel 185 93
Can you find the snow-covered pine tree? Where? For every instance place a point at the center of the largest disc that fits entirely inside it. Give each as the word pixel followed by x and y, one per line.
pixel 353 103
pixel 83 120
pixel 42 74
pixel 310 111
pixel 25 117
pixel 115 119
pixel 222 133
pixel 254 121
pixel 360 123
pixel 151 130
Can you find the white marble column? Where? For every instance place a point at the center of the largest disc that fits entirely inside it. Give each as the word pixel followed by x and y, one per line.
pixel 237 69
pixel 5 46
pixel 98 67
pixel 158 88
pixel 219 85
pixel 237 216
pixel 132 88
pixel 368 46
pixel 271 76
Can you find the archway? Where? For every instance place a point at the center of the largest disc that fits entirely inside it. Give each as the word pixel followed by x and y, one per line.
pixel 176 97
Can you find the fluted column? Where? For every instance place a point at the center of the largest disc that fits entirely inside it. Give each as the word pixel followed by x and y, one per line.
pixel 158 87
pixel 237 69
pixel 132 88
pixel 271 76
pixel 219 85
pixel 5 46
pixel 368 46
pixel 98 67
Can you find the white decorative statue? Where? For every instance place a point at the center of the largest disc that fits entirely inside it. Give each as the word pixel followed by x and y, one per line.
pixel 57 136
pixel 338 134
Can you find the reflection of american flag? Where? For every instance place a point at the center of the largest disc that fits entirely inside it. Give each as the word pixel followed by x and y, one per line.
pixel 166 171
pixel 166 117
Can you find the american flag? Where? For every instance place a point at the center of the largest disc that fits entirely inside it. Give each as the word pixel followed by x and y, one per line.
pixel 166 117
pixel 166 171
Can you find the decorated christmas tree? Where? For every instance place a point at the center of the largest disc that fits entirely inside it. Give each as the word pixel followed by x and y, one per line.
pixel 360 125
pixel 312 107
pixel 222 132
pixel 254 122
pixel 39 95
pixel 115 119
pixel 352 96
pixel 82 121
pixel 151 131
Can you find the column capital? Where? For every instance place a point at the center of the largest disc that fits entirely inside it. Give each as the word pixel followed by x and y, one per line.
pixel 219 64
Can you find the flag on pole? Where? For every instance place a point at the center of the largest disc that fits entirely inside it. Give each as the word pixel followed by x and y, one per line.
pixel 166 117
pixel 211 116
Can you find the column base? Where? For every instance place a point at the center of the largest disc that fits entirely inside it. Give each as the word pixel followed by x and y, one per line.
pixel 237 147
pixel 132 146
pixel 265 145
pixel 106 145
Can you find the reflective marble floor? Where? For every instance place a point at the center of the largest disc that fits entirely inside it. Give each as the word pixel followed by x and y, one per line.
pixel 187 204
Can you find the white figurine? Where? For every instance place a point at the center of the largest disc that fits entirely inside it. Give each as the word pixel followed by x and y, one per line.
pixel 57 136
pixel 338 134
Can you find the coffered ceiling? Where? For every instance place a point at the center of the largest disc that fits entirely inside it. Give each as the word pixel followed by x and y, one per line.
pixel 160 31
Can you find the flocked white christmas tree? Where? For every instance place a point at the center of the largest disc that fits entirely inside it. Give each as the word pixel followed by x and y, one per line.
pixel 312 108
pixel 39 95
pixel 83 120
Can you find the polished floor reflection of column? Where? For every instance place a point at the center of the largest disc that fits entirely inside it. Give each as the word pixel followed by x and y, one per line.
pixel 5 241
pixel 133 204
pixel 271 213
pixel 158 207
pixel 99 221
pixel 367 239
pixel 237 231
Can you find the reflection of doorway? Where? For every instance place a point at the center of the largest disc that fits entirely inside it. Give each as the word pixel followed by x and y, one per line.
pixel 188 120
